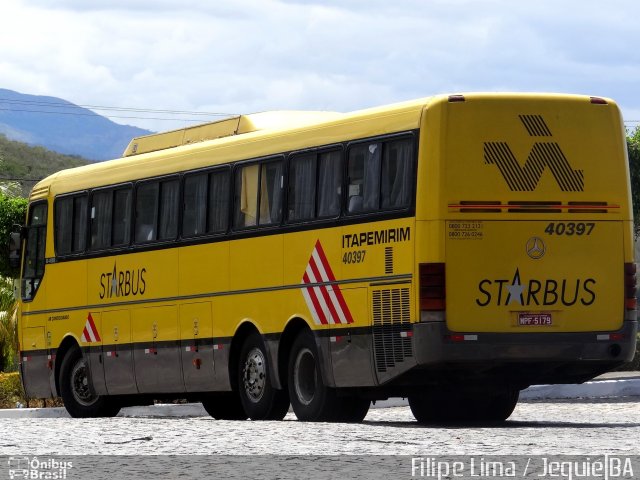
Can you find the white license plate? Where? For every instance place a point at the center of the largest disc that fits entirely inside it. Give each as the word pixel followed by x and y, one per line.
pixel 534 319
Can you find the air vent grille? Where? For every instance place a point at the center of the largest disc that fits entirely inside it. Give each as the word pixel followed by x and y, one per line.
pixel 391 327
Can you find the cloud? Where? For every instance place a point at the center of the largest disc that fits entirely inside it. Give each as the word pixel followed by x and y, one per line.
pixel 256 55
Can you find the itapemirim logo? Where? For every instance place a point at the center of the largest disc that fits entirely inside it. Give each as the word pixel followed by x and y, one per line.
pixel 542 155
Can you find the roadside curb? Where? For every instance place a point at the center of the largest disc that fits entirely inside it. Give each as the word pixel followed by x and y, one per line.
pixel 599 389
pixel 629 387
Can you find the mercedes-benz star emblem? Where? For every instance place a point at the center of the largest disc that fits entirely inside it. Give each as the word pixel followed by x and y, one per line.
pixel 535 248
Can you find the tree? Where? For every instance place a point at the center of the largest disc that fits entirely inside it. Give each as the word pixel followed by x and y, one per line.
pixel 12 212
pixel 633 145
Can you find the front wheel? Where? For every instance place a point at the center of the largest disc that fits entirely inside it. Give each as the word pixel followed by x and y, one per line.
pixel 224 406
pixel 76 390
pixel 260 399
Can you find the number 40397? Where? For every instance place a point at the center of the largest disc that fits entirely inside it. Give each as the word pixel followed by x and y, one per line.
pixel 354 257
pixel 570 228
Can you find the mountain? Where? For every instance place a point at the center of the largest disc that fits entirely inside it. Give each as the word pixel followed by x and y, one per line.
pixel 63 127
pixel 21 165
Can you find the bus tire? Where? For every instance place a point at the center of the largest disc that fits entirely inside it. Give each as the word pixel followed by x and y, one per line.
pixel 460 405
pixel 260 399
pixel 500 405
pixel 224 406
pixel 425 407
pixel 311 399
pixel 76 390
pixel 353 409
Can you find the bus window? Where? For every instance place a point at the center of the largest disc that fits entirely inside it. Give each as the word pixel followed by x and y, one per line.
pixel 364 178
pixel 79 237
pixel 246 196
pixel 146 212
pixel 329 184
pixel 302 187
pixel 397 171
pixel 271 193
pixel 121 216
pixel 101 209
pixel 169 205
pixel 70 224
pixel 219 189
pixel 33 269
pixel 247 210
pixel 194 219
pixel 63 222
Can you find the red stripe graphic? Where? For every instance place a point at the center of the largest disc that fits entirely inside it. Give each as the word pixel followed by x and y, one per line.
pixel 335 288
pixel 325 302
pixel 315 304
pixel 325 293
pixel 90 333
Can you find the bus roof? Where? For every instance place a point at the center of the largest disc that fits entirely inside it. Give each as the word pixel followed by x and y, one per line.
pixel 252 136
pixel 244 137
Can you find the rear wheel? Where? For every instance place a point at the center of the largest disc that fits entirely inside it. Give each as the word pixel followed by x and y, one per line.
pixel 311 399
pixel 453 406
pixel 224 406
pixel 260 399
pixel 76 390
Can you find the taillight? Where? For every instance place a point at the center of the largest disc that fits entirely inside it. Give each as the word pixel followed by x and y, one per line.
pixel 630 286
pixel 432 287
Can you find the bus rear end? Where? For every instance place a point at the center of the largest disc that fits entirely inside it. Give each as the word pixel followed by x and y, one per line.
pixel 525 261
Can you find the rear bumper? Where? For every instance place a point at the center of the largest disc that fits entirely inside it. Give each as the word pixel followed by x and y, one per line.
pixel 432 346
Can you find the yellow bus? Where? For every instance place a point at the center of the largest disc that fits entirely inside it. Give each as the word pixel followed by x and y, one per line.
pixel 452 250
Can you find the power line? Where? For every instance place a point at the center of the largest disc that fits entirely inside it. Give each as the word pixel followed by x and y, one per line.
pixel 80 114
pixel 69 106
pixel 3 179
pixel 118 109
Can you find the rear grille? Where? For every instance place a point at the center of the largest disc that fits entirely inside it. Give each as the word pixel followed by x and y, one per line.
pixel 391 327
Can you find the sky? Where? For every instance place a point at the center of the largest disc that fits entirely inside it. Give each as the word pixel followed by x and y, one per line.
pixel 245 56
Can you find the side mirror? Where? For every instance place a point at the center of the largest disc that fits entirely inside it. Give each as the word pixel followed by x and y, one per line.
pixel 15 249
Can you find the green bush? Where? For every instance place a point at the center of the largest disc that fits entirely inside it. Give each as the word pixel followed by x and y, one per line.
pixel 11 391
pixel 8 328
pixel 13 211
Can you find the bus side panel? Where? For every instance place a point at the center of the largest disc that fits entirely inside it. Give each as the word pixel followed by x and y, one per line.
pixel 35 373
pixel 156 358
pixel 117 353
pixel 196 347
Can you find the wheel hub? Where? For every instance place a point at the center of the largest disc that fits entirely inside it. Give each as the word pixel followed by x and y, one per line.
pixel 254 374
pixel 80 387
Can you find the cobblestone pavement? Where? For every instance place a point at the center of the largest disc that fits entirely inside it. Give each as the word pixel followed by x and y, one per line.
pixel 562 427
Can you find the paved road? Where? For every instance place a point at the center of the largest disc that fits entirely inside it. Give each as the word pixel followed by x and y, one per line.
pixel 567 427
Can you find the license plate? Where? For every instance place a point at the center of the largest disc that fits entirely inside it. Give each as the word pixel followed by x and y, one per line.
pixel 534 319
